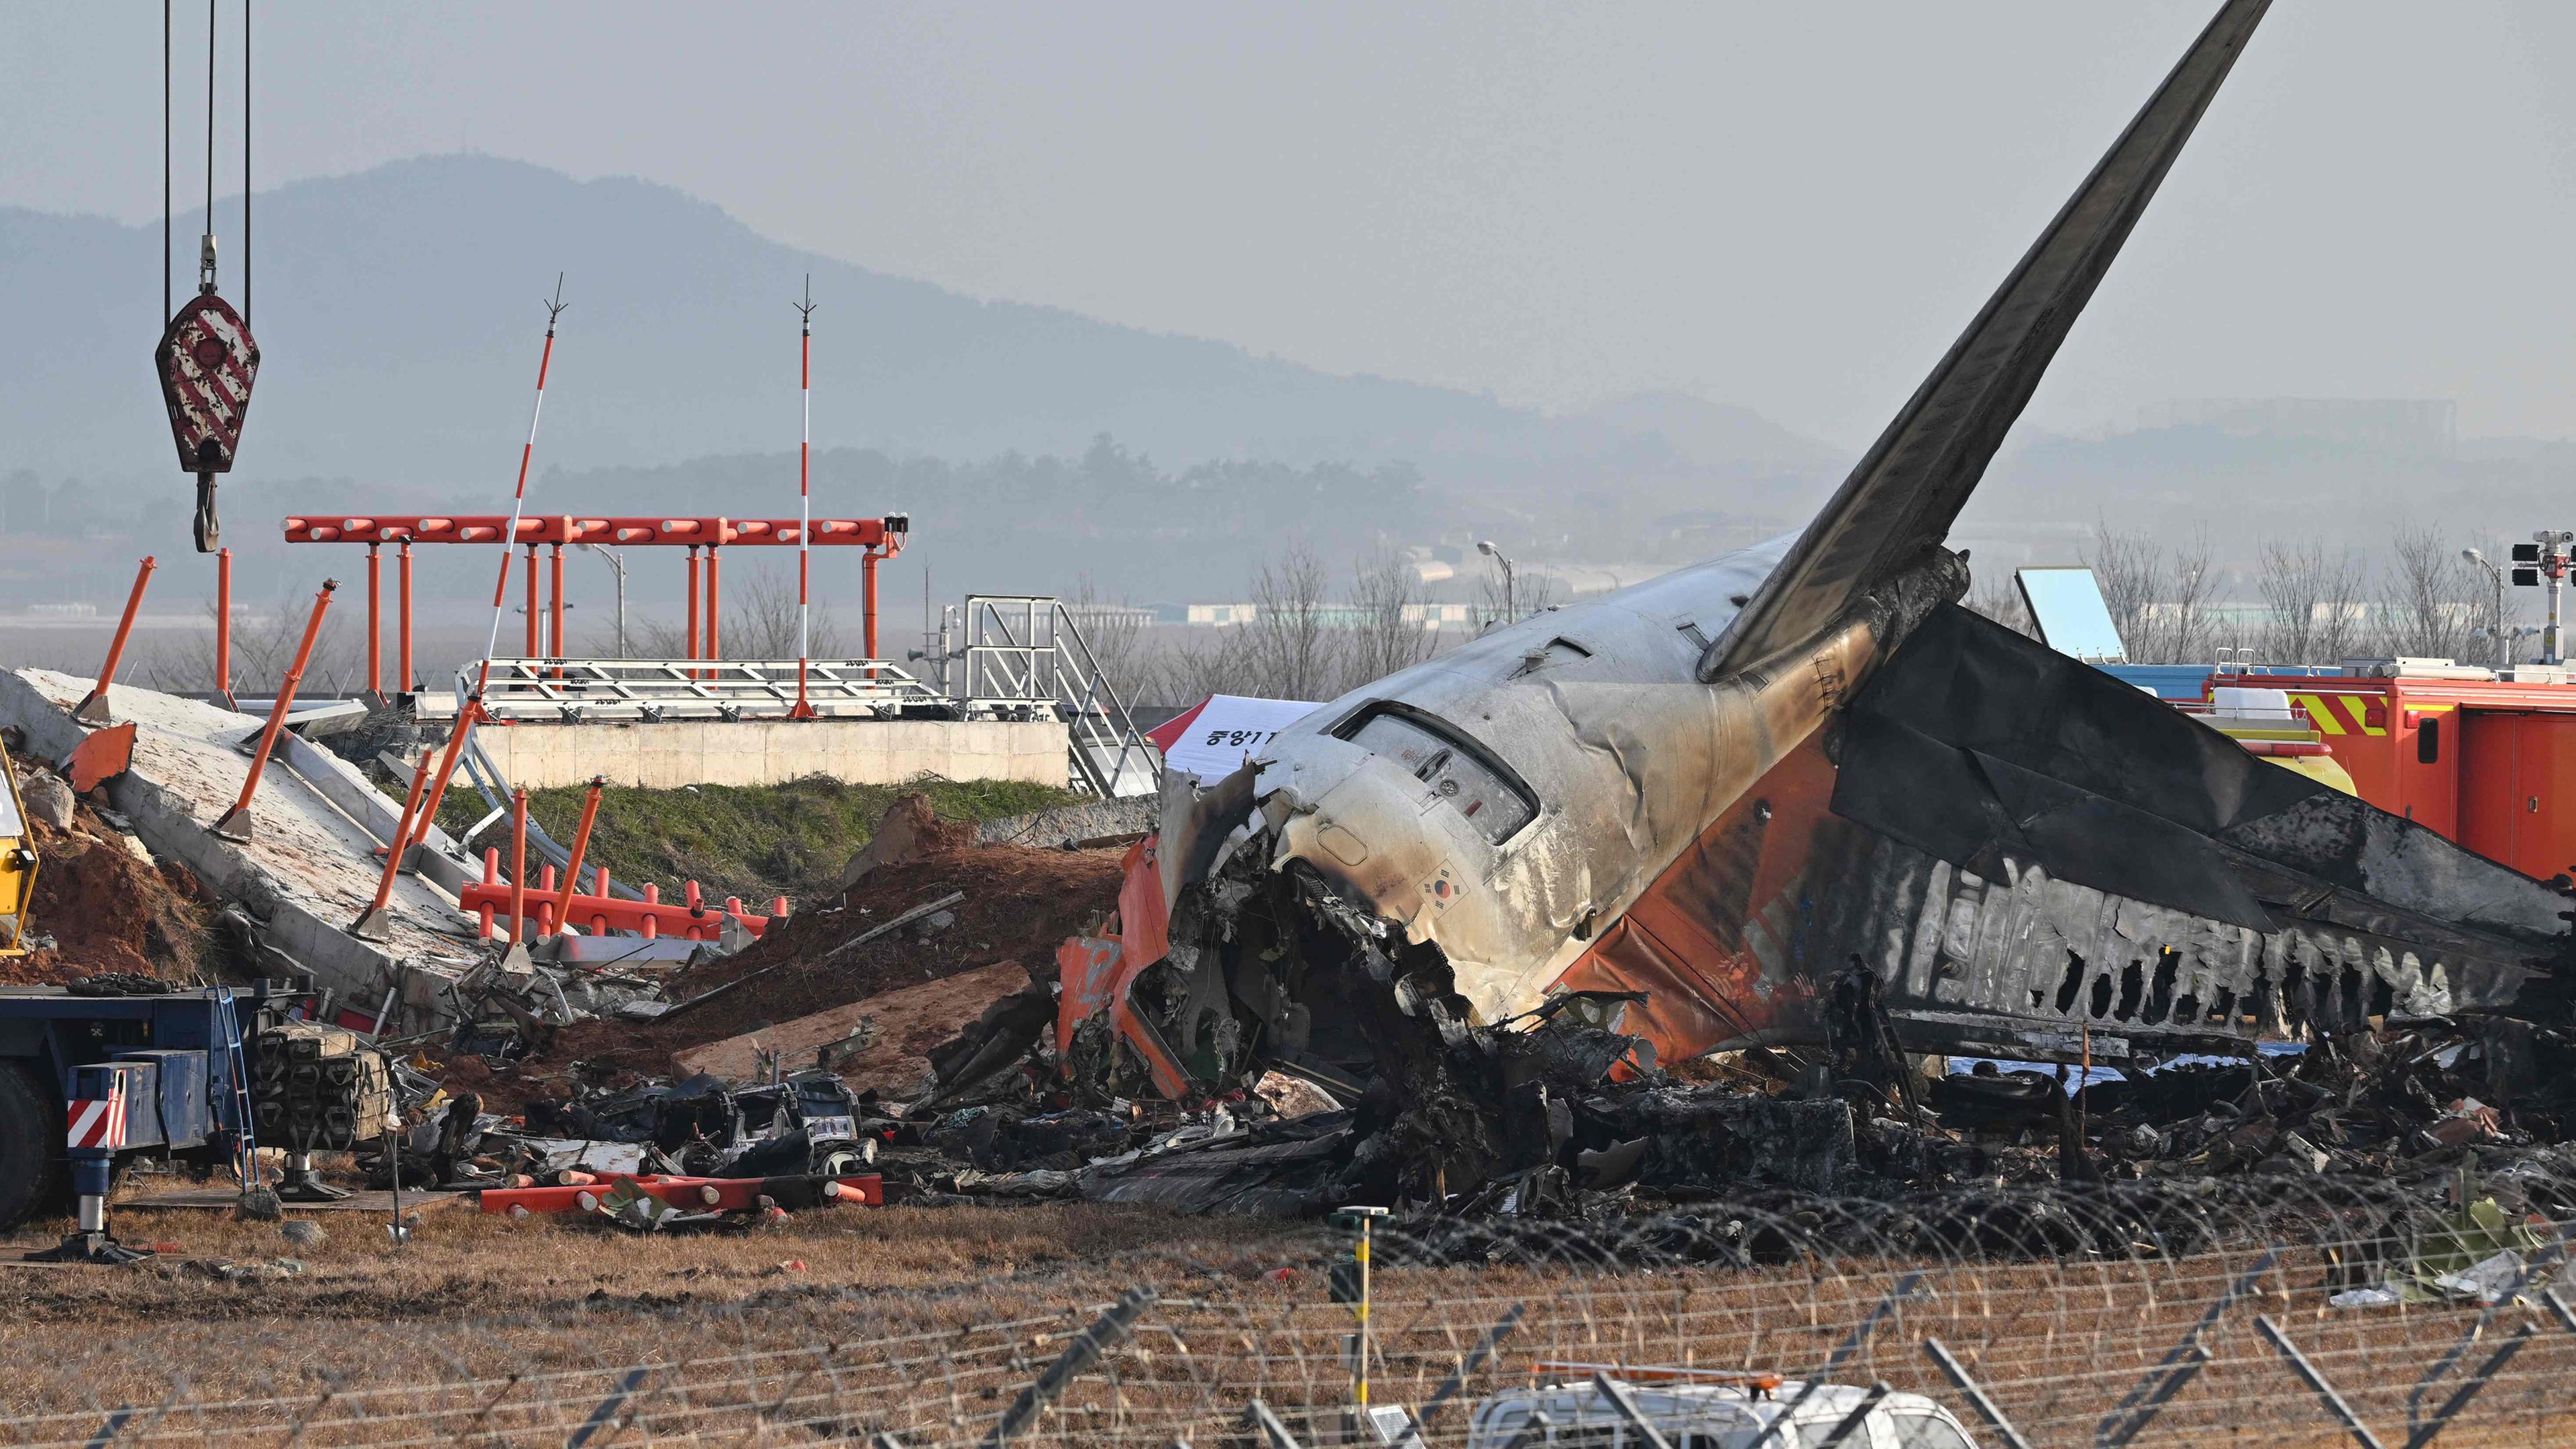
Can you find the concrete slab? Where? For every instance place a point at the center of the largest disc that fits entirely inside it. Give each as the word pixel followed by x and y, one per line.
pixel 771 752
pixel 308 871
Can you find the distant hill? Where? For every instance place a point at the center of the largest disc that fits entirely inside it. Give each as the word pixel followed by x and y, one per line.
pixel 397 311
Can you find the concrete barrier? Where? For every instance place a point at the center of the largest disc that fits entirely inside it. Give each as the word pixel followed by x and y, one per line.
pixel 772 752
pixel 305 874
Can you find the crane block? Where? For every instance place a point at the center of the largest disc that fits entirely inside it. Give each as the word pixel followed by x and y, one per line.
pixel 206 362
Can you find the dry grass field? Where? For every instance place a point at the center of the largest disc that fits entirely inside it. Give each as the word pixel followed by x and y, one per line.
pixel 926 1322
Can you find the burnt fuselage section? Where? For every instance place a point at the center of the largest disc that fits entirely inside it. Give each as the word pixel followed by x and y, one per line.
pixel 1709 797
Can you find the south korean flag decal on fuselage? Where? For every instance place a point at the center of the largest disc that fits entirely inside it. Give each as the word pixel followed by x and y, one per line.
pixel 1441 890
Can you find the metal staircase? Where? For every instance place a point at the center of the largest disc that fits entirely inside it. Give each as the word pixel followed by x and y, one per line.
pixel 1023 657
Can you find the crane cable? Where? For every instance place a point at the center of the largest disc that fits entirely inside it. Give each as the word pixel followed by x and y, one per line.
pixel 207 529
pixel 206 242
pixel 165 163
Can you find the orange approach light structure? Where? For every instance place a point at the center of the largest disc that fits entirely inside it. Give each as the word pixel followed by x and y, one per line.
pixel 878 538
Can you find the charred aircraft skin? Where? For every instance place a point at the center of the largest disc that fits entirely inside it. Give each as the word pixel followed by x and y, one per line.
pixel 2038 861
pixel 1506 801
pixel 1708 796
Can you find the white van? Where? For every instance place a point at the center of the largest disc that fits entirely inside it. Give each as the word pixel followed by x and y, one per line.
pixel 1700 1410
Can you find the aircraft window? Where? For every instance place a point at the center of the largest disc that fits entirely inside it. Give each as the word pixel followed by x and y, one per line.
pixel 1470 783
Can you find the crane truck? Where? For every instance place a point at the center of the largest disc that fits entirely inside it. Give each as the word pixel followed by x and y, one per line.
pixel 98 1073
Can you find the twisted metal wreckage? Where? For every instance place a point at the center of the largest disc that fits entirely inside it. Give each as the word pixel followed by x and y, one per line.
pixel 1668 819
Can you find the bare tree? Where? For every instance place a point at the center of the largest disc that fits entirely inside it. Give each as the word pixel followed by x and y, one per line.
pixel 2184 636
pixel 1383 587
pixel 1201 662
pixel 760 620
pixel 1291 655
pixel 263 648
pixel 2343 607
pixel 2130 569
pixel 2290 580
pixel 658 639
pixel 2434 598
pixel 1531 593
pixel 1116 635
pixel 1998 599
pixel 2314 598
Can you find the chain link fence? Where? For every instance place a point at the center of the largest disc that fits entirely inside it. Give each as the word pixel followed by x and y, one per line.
pixel 2303 1311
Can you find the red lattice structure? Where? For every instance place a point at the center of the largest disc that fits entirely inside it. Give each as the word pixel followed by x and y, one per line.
pixel 878 538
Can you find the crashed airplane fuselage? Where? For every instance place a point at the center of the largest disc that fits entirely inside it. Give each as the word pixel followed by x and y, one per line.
pixel 1712 793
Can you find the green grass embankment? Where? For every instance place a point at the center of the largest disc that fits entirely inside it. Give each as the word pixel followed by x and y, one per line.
pixel 752 841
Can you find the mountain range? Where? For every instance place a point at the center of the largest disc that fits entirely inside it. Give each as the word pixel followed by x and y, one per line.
pixel 398 314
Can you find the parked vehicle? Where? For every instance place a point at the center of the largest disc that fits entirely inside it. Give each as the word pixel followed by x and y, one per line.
pixel 1703 1409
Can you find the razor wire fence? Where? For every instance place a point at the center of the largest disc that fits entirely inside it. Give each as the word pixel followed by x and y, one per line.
pixel 2302 1311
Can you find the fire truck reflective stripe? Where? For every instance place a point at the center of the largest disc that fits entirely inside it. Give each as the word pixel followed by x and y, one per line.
pixel 2323 716
pixel 2358 706
pixel 98 1122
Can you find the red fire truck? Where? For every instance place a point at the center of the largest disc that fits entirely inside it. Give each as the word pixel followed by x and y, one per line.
pixel 2488 761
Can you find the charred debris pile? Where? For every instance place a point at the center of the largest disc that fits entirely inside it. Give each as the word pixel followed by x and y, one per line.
pixel 954 1070
pixel 1561 1116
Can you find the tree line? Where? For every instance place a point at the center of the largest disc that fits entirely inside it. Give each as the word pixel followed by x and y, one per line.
pixel 2301 601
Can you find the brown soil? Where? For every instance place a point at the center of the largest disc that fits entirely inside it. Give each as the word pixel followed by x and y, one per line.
pixel 1020 905
pixel 908 1021
pixel 108 911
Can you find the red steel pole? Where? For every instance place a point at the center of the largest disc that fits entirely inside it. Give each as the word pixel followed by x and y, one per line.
pixel 93 707
pixel 370 922
pixel 693 601
pixel 413 828
pixel 868 600
pixel 715 644
pixel 465 721
pixel 224 628
pixel 518 863
pixel 534 644
pixel 402 618
pixel 555 608
pixel 375 621
pixel 235 824
pixel 580 846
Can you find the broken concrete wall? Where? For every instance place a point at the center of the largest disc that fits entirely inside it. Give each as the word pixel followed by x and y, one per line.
pixel 307 872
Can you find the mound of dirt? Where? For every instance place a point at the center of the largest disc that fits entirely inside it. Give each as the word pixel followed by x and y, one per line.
pixel 108 910
pixel 1019 905
pixel 907 831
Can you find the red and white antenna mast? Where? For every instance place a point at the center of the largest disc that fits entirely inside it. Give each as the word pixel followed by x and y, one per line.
pixel 519 499
pixel 804 494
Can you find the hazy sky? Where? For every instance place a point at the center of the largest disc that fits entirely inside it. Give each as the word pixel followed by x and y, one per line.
pixel 1789 206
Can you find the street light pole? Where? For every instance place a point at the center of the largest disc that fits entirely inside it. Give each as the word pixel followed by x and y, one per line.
pixel 2503 651
pixel 1485 546
pixel 616 561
